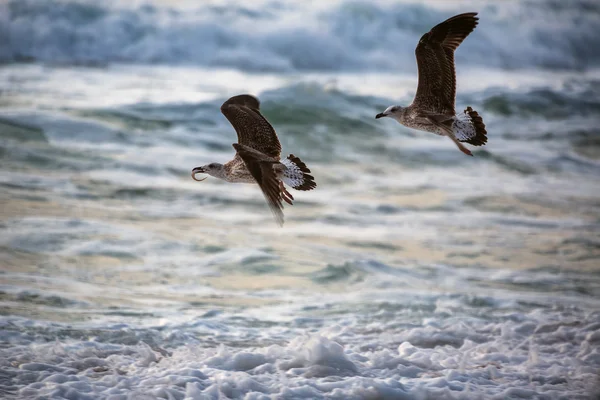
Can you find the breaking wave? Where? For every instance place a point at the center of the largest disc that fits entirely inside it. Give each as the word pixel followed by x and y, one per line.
pixel 342 36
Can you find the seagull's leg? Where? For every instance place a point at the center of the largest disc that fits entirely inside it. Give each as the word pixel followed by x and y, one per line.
pixel 285 195
pixel 460 145
pixel 444 123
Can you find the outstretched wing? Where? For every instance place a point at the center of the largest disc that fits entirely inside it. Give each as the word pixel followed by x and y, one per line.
pixel 252 128
pixel 261 168
pixel 436 91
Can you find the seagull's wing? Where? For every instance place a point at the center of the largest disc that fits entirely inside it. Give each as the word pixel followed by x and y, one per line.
pixel 436 91
pixel 261 168
pixel 252 128
pixel 441 121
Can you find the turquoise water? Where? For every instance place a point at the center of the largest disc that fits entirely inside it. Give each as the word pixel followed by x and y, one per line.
pixel 412 271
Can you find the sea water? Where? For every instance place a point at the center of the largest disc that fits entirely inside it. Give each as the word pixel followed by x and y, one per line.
pixel 411 272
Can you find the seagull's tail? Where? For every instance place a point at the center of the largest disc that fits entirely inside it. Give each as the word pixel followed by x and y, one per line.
pixel 297 174
pixel 469 128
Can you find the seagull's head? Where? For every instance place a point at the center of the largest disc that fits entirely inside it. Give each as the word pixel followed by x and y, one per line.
pixel 212 169
pixel 391 111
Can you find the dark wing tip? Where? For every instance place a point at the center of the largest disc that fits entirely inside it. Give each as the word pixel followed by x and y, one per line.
pixel 452 31
pixel 276 210
pixel 272 193
pixel 464 17
pixel 467 14
pixel 242 100
pixel 261 169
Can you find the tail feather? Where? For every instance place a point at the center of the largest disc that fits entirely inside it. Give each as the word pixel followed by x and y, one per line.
pixel 297 174
pixel 480 137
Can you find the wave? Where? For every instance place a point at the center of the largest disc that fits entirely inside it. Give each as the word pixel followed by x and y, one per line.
pixel 318 120
pixel 574 98
pixel 342 36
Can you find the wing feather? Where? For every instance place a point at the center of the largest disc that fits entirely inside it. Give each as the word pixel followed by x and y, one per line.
pixel 261 168
pixel 253 129
pixel 436 91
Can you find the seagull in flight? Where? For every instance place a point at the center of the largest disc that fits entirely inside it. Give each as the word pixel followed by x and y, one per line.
pixel 258 157
pixel 432 109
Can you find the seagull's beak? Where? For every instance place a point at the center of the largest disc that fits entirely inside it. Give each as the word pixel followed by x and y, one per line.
pixel 198 170
pixel 380 115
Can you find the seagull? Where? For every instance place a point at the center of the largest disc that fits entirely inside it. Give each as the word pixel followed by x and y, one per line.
pixel 257 158
pixel 432 109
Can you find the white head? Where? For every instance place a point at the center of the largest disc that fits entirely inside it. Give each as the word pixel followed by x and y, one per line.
pixel 392 111
pixel 212 169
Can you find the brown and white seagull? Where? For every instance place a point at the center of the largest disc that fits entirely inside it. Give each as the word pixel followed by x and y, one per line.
pixel 257 158
pixel 432 109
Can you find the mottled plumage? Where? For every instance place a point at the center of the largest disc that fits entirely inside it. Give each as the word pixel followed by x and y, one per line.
pixel 432 109
pixel 252 128
pixel 257 158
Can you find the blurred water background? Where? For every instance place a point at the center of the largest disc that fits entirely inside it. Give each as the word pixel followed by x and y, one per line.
pixel 411 272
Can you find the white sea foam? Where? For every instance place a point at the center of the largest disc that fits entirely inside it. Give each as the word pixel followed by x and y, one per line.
pixel 527 355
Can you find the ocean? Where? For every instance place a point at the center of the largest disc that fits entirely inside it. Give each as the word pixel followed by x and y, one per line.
pixel 411 272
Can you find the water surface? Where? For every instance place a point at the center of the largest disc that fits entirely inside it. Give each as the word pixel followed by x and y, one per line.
pixel 411 271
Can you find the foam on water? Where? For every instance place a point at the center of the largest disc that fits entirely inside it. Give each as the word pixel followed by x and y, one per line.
pixel 505 347
pixel 412 271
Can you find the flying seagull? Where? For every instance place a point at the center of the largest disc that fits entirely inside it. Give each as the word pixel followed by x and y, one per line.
pixel 257 158
pixel 432 109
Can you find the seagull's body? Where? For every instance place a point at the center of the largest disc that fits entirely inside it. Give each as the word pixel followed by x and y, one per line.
pixel 432 109
pixel 258 157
